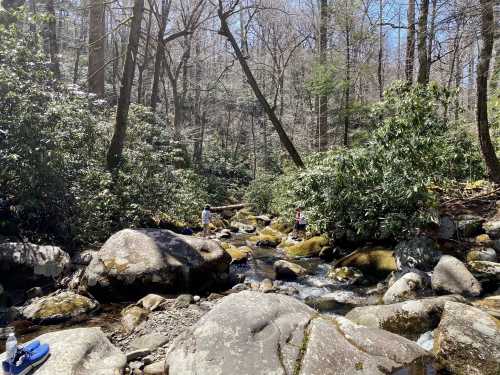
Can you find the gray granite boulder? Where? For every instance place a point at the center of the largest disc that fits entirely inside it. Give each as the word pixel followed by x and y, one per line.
pixel 31 262
pixel 408 318
pixel 467 340
pixel 251 333
pixel 452 276
pixel 80 351
pixel 405 288
pixel 288 270
pixel 492 228
pixel 157 258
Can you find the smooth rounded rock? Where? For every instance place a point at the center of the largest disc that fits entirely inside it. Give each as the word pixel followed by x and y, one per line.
pixel 82 351
pixel 482 254
pixel 151 258
pixel 405 288
pixel 288 270
pixel 452 276
pixel 251 333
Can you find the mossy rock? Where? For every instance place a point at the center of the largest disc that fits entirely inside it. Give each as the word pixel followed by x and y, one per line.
pixel 281 226
pixel 345 274
pixel 267 237
pixel 238 255
pixel 378 261
pixel 245 216
pixel 59 306
pixel 307 248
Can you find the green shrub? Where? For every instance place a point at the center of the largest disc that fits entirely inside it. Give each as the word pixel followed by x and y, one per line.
pixel 380 190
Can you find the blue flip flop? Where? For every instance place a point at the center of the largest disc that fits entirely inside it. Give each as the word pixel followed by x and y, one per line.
pixel 26 359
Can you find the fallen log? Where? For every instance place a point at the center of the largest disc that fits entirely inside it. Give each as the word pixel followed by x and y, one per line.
pixel 230 207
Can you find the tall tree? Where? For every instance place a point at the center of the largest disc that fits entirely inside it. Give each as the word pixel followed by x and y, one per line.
pixel 323 98
pixel 51 38
pixel 97 43
pixel 423 63
pixel 380 50
pixel 160 52
pixel 410 42
pixel 116 147
pixel 487 36
pixel 226 32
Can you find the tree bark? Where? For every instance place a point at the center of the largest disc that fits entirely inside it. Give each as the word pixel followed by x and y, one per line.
pixel 487 36
pixel 145 62
pixel 380 53
pixel 116 147
pixel 285 141
pixel 423 68
pixel 97 41
pixel 159 56
pixel 53 46
pixel 410 42
pixel 323 99
pixel 347 94
pixel 432 36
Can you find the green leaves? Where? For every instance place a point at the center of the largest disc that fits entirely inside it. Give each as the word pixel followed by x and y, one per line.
pixel 379 190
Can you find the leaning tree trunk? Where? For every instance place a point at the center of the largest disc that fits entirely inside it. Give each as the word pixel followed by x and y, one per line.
pixel 410 42
pixel 116 147
pixel 423 68
pixel 97 41
pixel 487 34
pixel 285 140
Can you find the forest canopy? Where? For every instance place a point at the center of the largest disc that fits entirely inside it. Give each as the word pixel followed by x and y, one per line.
pixel 138 114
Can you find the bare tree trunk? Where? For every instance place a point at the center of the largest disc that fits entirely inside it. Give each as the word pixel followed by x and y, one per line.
pixel 159 56
pixel 244 40
pixel 285 141
pixel 97 41
pixel 116 147
pixel 495 75
pixel 410 42
pixel 432 36
pixel 347 86
pixel 380 53
pixel 145 62
pixel 399 44
pixel 323 99
pixel 423 68
pixel 487 34
pixel 53 46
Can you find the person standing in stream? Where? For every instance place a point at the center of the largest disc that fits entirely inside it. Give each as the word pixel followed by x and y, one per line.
pixel 206 216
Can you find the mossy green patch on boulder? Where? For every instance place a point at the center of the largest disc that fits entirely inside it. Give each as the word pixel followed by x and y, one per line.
pixel 345 274
pixel 59 306
pixel 267 237
pixel 378 261
pixel 238 255
pixel 307 248
pixel 281 226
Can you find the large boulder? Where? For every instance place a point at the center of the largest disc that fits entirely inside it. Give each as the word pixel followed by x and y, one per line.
pixel 82 351
pixel 405 288
pixel 61 305
pixel 377 261
pixel 406 318
pixel 489 304
pixel 256 334
pixel 418 253
pixel 469 225
pixel 467 340
pixel 154 257
pixel 452 276
pixel 26 264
